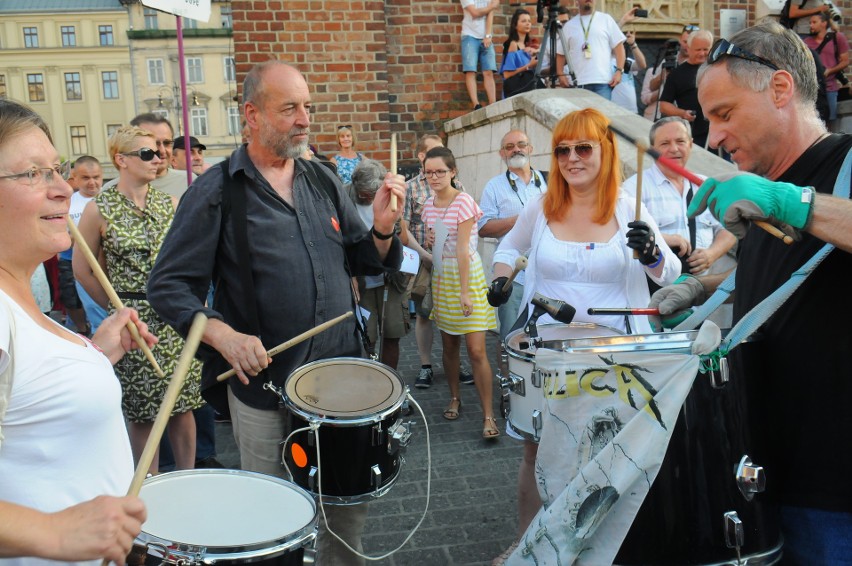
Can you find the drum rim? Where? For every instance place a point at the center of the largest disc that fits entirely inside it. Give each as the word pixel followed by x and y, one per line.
pixel 310 416
pixel 260 549
pixel 530 356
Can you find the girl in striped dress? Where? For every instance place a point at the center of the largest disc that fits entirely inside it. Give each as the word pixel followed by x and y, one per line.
pixel 458 283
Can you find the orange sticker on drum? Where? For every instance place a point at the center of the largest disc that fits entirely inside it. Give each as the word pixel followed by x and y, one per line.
pixel 298 455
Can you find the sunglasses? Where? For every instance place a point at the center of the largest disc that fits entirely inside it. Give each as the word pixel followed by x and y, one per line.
pixel 690 28
pixel 145 154
pixel 583 150
pixel 724 48
pixel 345 127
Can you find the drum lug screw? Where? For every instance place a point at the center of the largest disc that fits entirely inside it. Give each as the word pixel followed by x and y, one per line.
pixel 378 434
pixel 734 532
pixel 750 478
pixel 719 378
pixel 277 390
pixel 376 477
pixel 312 480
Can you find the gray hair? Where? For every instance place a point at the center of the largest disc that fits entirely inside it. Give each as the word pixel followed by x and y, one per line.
pixel 669 120
pixel 698 34
pixel 368 176
pixel 780 45
pixel 252 85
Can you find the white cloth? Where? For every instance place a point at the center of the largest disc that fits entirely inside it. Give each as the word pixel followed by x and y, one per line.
pixel 667 205
pixel 624 93
pixel 75 211
pixel 499 200
pixel 474 27
pixel 365 211
pixel 41 289
pixel 649 97
pixel 529 230
pixel 65 440
pixel 603 36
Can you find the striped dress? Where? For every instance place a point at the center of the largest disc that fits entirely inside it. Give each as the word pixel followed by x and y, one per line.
pixel 446 287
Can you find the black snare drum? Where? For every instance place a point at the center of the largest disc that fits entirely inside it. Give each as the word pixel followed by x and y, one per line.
pixel 353 408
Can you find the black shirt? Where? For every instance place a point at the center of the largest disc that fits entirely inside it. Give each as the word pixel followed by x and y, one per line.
pixel 799 375
pixel 680 89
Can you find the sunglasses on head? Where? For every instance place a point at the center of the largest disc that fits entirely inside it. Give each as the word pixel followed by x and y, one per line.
pixel 690 28
pixel 724 48
pixel 145 154
pixel 345 127
pixel 583 150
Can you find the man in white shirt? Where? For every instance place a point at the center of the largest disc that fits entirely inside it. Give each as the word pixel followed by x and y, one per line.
pixel 699 242
pixel 592 38
pixel 477 44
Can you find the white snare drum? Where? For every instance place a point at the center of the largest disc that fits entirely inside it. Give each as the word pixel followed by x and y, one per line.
pixel 224 517
pixel 522 393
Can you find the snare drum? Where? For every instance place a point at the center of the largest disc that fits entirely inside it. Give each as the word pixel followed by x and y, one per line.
pixel 523 398
pixel 698 505
pixel 224 517
pixel 356 404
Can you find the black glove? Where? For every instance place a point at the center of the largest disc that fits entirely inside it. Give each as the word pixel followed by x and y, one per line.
pixel 641 239
pixel 496 295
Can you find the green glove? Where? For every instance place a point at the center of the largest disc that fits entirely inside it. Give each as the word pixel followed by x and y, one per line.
pixel 737 200
pixel 674 301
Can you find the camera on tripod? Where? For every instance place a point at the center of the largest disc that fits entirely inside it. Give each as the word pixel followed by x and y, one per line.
pixel 670 50
pixel 541 5
pixel 834 13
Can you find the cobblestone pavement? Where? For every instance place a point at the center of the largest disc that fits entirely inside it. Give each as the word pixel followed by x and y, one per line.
pixel 472 507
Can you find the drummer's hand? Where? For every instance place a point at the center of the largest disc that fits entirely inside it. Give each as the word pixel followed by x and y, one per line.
pixel 496 296
pixel 245 353
pixel 674 301
pixel 104 527
pixel 113 337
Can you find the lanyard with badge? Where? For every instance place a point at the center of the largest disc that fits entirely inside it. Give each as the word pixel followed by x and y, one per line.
pixel 587 49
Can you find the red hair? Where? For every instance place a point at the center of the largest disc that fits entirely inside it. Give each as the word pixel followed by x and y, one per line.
pixel 588 124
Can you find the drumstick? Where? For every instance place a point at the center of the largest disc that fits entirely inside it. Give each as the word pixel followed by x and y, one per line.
pixel 645 311
pixel 640 159
pixel 293 341
pixel 520 263
pixel 393 202
pixel 692 177
pixel 111 294
pixel 178 378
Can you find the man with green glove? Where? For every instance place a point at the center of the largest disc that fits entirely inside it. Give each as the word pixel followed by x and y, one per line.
pixel 758 91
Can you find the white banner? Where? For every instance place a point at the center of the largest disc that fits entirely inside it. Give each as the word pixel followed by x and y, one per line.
pixel 608 419
pixel 193 9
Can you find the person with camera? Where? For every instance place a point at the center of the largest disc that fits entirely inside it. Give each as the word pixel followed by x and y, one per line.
pixel 799 13
pixel 680 95
pixel 833 50
pixel 671 54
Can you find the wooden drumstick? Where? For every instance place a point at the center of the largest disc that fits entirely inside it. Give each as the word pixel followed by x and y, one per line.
pixel 111 294
pixel 293 341
pixel 178 378
pixel 393 202
pixel 520 263
pixel 775 231
pixel 640 158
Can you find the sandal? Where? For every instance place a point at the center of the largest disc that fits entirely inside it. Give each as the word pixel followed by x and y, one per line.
pixel 490 431
pixel 501 560
pixel 450 413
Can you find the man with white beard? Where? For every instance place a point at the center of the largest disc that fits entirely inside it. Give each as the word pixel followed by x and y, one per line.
pixel 502 201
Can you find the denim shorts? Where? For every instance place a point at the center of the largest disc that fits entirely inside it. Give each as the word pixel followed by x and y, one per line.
pixel 473 51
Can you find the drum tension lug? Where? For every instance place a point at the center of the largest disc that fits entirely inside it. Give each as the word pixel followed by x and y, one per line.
pixel 719 378
pixel 277 390
pixel 734 531
pixel 537 424
pixel 378 434
pixel 376 477
pixel 312 480
pixel 399 435
pixel 750 478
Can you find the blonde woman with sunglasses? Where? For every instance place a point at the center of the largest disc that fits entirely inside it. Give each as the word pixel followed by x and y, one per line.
pixel 581 233
pixel 125 226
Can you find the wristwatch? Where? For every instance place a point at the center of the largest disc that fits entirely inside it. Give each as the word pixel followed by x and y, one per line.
pixel 620 70
pixel 488 36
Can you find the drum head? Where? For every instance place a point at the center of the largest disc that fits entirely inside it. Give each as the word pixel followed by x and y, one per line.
pixel 225 508
pixel 344 388
pixel 555 337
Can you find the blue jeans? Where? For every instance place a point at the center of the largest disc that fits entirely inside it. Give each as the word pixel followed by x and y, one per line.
pixel 814 536
pixel 832 104
pixel 473 52
pixel 94 312
pixel 602 89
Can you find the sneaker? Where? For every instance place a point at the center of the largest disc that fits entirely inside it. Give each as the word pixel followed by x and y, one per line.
pixel 424 379
pixel 221 418
pixel 209 462
pixel 465 376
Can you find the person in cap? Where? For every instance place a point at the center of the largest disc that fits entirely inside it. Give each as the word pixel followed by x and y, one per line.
pixel 196 149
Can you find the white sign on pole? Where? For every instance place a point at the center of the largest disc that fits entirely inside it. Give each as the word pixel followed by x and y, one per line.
pixel 193 9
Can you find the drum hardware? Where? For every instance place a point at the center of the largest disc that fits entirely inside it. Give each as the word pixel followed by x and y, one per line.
pixel 719 378
pixel 399 436
pixel 312 479
pixel 377 434
pixel 750 478
pixel 376 477
pixel 734 533
pixel 537 423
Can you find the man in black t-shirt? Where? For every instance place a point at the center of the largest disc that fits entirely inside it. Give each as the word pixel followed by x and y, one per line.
pixel 758 92
pixel 680 94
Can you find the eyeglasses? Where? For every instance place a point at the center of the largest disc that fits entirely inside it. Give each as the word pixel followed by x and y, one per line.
pixel 437 173
pixel 145 154
pixel 724 48
pixel 519 145
pixel 166 143
pixel 690 28
pixel 345 127
pixel 583 150
pixel 44 174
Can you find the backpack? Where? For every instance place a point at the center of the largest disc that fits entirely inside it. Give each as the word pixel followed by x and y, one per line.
pixel 784 19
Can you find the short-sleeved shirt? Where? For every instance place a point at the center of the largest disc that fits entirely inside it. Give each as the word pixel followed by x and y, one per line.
pixel 474 27
pixel 830 57
pixel 417 192
pixel 602 34
pixel 681 89
pixel 461 209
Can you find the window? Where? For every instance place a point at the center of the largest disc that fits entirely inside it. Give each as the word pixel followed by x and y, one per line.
pixel 230 69
pixel 69 36
pixel 35 86
pixel 106 37
pixel 73 88
pixel 161 112
pixel 156 72
pixel 2 86
pixel 109 79
pixel 30 37
pixel 189 23
pixel 227 18
pixel 111 129
pixel 233 121
pixel 79 142
pixel 198 116
pixel 194 70
pixel 150 15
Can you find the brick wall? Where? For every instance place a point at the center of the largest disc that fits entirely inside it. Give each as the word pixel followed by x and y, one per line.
pixel 383 67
